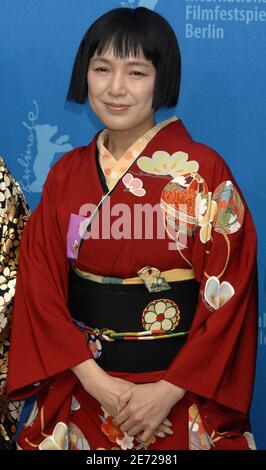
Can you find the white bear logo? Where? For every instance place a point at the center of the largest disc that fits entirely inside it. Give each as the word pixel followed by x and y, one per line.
pixel 46 151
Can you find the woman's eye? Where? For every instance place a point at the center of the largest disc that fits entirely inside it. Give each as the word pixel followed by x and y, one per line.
pixel 137 74
pixel 101 69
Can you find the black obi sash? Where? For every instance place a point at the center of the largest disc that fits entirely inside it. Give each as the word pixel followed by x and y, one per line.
pixel 119 307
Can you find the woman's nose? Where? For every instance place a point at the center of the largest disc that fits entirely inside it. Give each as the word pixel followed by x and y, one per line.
pixel 117 85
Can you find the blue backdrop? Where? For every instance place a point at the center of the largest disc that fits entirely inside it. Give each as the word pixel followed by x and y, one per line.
pixel 222 100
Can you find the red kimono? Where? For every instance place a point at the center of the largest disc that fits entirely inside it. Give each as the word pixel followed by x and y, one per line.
pixel 207 221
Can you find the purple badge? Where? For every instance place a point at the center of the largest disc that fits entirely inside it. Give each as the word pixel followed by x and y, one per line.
pixel 74 235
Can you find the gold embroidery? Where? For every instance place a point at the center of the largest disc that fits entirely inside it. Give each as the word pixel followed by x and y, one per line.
pixel 14 213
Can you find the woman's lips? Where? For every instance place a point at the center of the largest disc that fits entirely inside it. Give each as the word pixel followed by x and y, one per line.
pixel 115 108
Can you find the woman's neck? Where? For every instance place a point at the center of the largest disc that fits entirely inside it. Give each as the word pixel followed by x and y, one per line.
pixel 118 142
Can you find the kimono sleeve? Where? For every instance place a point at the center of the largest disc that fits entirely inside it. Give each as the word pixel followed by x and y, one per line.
pixel 218 360
pixel 14 213
pixel 44 341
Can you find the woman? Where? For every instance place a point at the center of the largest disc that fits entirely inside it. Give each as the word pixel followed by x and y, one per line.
pixel 14 213
pixel 136 336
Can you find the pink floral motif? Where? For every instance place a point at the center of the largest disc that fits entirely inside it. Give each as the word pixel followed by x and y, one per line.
pixel 126 443
pixel 134 185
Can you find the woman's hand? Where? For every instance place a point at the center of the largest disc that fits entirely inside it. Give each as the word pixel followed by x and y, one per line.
pixel 111 392
pixel 100 385
pixel 110 401
pixel 145 408
pixel 108 393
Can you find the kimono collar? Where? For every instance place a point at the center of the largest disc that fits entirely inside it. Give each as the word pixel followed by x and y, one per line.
pixel 113 169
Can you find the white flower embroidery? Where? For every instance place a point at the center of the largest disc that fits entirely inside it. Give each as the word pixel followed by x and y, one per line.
pixel 200 206
pixel 181 180
pixel 250 440
pixel 234 224
pixel 126 442
pixel 75 406
pixel 206 211
pixel 58 440
pixel 15 408
pixel 3 322
pixel 162 163
pixel 161 314
pixel 216 293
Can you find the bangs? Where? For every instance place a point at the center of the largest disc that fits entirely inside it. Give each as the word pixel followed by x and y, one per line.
pixel 124 40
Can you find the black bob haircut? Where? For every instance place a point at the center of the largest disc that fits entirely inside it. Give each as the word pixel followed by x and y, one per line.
pixel 129 31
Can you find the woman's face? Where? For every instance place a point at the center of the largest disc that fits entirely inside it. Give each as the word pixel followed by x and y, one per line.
pixel 121 90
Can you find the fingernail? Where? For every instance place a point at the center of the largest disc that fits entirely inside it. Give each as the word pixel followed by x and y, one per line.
pixel 160 434
pixel 169 431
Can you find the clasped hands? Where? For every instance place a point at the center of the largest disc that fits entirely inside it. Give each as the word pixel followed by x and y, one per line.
pixel 139 409
pixel 143 409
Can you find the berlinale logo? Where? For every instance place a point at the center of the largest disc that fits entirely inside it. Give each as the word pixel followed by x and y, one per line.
pixel 41 149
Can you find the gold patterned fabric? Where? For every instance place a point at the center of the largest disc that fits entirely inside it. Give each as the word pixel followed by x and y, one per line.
pixel 14 213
